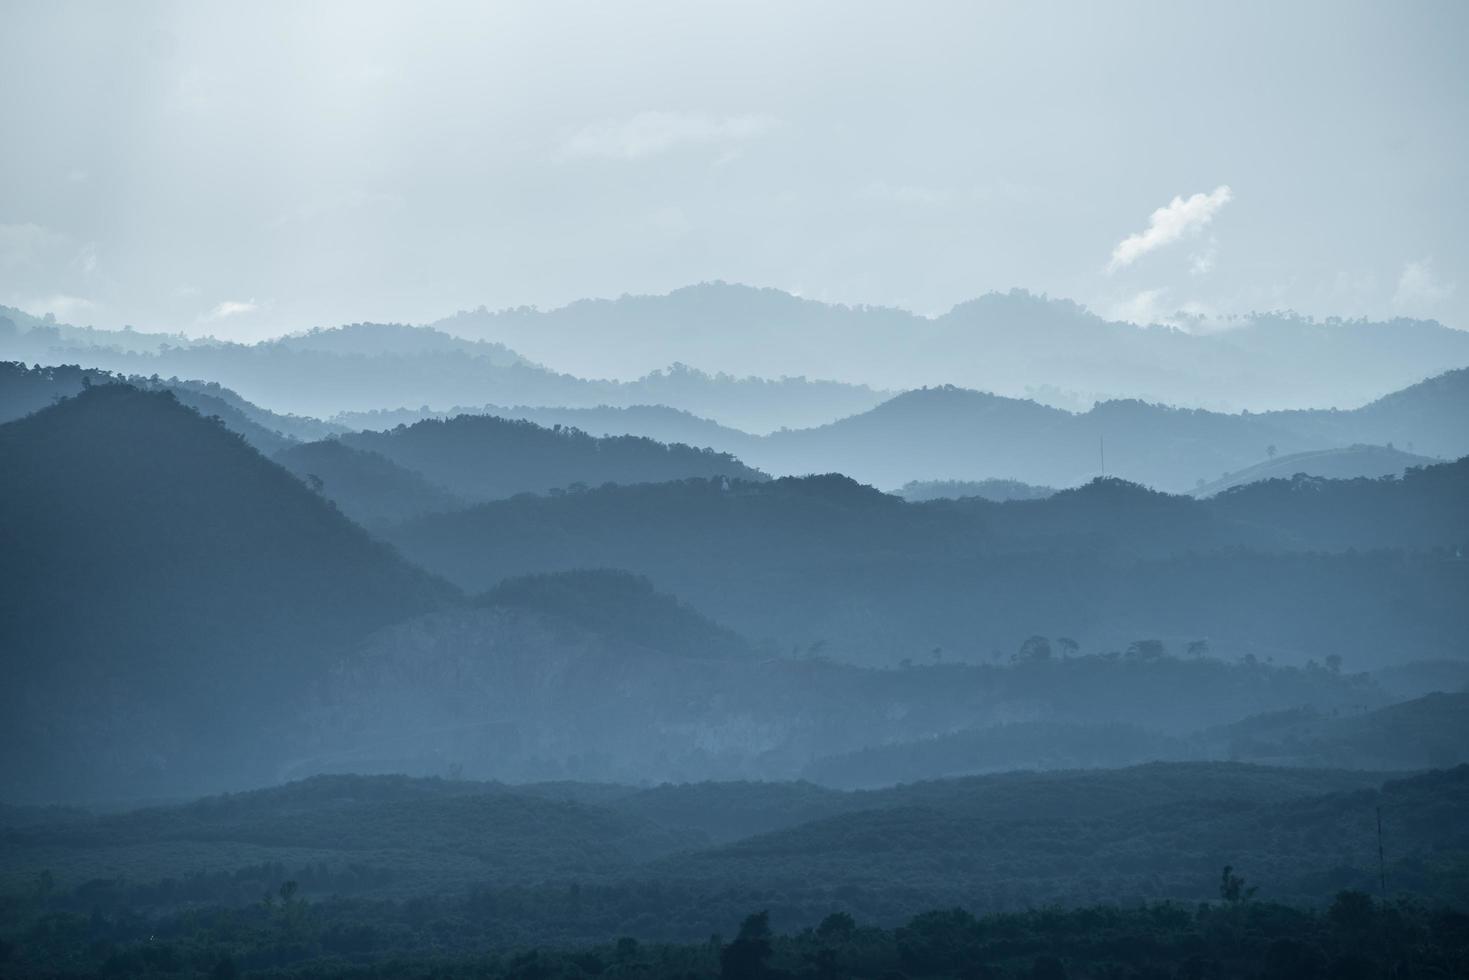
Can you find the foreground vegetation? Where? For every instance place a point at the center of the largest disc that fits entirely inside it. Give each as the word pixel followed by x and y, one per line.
pixel 1088 873
pixel 1355 936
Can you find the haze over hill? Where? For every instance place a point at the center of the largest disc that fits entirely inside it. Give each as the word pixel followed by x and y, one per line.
pixel 958 434
pixel 954 433
pixel 365 367
pixel 619 351
pixel 982 492
pixel 1015 344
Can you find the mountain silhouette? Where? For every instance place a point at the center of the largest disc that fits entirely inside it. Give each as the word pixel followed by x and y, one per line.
pixel 168 590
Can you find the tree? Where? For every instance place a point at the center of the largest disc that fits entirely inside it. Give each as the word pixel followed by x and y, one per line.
pixel 1069 647
pixel 1353 911
pixel 1232 887
pixel 1146 650
pixel 1034 650
pixel 745 957
pixel 1198 648
pixel 837 927
pixel 1270 450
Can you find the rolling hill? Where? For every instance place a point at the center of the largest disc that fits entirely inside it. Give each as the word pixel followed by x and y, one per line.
pixel 1424 733
pixel 1013 852
pixel 1331 464
pixel 680 860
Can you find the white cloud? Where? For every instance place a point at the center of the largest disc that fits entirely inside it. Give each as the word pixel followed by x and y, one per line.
pixel 1153 307
pixel 650 133
pixel 1419 290
pixel 231 307
pixel 1168 224
pixel 1143 309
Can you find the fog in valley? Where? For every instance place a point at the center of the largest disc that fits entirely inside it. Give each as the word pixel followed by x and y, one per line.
pixel 836 490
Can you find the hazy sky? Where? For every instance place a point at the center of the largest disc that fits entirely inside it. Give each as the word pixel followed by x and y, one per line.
pixel 247 168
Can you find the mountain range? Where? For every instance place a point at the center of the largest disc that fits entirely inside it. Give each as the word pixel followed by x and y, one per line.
pixel 949 433
pixel 367 367
pixel 1015 344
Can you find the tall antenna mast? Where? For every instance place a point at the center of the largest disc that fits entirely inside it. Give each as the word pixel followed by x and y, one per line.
pixel 1381 860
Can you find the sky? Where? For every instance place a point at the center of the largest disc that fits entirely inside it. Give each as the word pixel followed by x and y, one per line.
pixel 246 169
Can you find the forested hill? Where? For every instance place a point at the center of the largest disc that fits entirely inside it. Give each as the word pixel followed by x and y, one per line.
pixel 481 457
pixel 827 560
pixel 162 577
pixel 28 389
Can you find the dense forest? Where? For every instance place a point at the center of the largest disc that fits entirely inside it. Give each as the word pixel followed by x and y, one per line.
pixel 1176 869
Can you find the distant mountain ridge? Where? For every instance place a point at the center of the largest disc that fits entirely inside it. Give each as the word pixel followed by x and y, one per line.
pixel 1016 344
pixel 367 367
pixel 959 434
pixel 948 433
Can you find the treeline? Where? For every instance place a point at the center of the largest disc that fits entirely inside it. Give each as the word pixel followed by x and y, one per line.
pixel 1355 936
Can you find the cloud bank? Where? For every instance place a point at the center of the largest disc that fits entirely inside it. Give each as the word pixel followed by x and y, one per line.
pixel 1168 224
